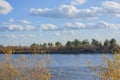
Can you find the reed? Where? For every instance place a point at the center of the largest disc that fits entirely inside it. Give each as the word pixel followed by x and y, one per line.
pixel 23 68
pixel 110 70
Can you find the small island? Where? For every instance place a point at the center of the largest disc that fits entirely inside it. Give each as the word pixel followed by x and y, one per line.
pixel 71 47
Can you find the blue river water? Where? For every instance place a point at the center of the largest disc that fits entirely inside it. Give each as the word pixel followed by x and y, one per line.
pixel 71 67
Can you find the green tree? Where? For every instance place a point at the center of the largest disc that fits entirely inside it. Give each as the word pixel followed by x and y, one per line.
pixel 85 42
pixel 113 42
pixel 44 45
pixel 77 43
pixel 58 44
pixel 50 45
pixel 107 43
pixel 69 44
pixel 96 43
pixel 34 45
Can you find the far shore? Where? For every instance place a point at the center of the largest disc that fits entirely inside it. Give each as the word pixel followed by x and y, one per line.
pixel 71 47
pixel 63 52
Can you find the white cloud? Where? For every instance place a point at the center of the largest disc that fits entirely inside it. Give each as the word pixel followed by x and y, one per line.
pixel 102 25
pixel 16 27
pixel 13 27
pixel 19 25
pixel 11 20
pixel 66 11
pixel 76 25
pixel 115 0
pixel 40 11
pixel 69 25
pixel 94 25
pixel 24 22
pixel 71 32
pixel 48 27
pixel 65 26
pixel 29 28
pixel 79 25
pixel 110 8
pixel 110 4
pixel 5 7
pixel 78 2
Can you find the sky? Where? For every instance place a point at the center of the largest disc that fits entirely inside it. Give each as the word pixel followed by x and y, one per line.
pixel 23 22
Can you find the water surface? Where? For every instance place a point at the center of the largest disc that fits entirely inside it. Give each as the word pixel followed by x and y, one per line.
pixel 70 66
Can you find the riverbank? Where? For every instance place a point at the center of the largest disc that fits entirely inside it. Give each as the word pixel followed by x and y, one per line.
pixel 63 52
pixel 71 47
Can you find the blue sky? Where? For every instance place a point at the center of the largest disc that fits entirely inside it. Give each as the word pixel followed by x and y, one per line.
pixel 37 21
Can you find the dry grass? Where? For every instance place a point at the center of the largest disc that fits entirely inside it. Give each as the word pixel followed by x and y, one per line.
pixel 111 69
pixel 20 68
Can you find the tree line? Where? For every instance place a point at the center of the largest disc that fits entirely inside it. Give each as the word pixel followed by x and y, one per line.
pixel 70 46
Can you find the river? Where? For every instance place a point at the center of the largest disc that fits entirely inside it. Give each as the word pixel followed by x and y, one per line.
pixel 70 66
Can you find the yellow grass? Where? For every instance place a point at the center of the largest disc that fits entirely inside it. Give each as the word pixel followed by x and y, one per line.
pixel 20 67
pixel 111 69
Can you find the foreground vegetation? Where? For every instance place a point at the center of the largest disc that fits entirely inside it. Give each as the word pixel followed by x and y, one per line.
pixel 23 68
pixel 110 70
pixel 75 46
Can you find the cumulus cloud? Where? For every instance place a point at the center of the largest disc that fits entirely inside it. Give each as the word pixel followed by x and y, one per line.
pixel 17 27
pixel 111 8
pixel 79 26
pixel 76 25
pixel 65 26
pixel 48 27
pixel 66 11
pixel 78 2
pixel 24 22
pixel 71 32
pixel 115 0
pixel 29 28
pixel 5 7
pixel 102 25
pixel 12 27
pixel 94 25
